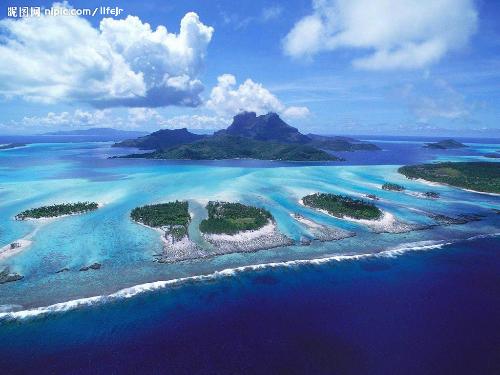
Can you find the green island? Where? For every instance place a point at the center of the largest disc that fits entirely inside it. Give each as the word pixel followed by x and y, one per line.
pixel 56 210
pixel 231 218
pixel 446 144
pixel 343 206
pixel 235 147
pixel 171 215
pixel 477 176
pixel 392 187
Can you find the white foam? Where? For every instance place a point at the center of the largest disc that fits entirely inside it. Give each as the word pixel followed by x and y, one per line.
pixel 432 183
pixel 228 272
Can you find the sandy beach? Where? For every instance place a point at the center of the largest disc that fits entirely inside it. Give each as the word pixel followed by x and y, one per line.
pixel 266 237
pixel 7 251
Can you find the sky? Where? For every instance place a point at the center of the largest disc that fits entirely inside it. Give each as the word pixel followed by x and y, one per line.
pixel 392 67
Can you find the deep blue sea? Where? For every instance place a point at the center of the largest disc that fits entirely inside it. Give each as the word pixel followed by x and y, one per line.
pixel 433 312
pixel 420 302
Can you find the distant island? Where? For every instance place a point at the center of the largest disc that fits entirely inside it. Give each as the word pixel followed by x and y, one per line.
pixel 493 155
pixel 392 187
pixel 445 144
pixel 477 176
pixel 161 139
pixel 220 147
pixel 343 206
pixel 106 133
pixel 337 143
pixel 57 210
pixel 265 137
pixel 12 145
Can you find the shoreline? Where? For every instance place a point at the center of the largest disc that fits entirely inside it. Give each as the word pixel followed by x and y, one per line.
pixel 442 184
pixel 132 291
pixel 322 233
pixel 7 251
pixel 388 223
pixel 267 237
pixel 48 219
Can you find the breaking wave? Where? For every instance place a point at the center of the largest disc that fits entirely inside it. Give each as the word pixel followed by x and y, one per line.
pixel 228 272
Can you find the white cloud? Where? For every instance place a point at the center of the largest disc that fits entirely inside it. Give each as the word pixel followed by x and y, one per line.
pixel 226 99
pixel 394 33
pixel 124 63
pixel 271 13
pixel 132 118
pixel 439 101
pixel 63 120
pixel 296 112
pixel 142 114
pixel 196 122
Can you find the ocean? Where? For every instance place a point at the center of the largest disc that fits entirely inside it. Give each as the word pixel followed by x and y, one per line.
pixel 421 302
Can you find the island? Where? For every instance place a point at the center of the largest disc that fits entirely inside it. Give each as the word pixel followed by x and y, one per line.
pixel 161 139
pixel 12 145
pixel 342 206
pixel 445 144
pixel 235 227
pixel 265 137
pixel 492 155
pixel 171 220
pixel 57 210
pixel 476 176
pixel 235 147
pixel 337 143
pixel 108 134
pixel 392 187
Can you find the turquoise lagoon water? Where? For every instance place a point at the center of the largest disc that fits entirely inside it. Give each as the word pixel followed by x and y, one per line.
pixel 47 173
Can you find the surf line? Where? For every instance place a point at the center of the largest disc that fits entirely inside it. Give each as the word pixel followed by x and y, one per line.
pixel 228 272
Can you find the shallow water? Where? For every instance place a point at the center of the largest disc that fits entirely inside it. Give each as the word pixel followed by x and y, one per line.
pixel 47 173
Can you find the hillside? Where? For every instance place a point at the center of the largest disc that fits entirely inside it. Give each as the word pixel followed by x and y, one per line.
pixel 445 144
pixel 341 143
pixel 269 127
pixel 161 139
pixel 232 147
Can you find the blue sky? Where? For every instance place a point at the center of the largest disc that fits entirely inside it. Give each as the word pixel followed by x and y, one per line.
pixel 429 67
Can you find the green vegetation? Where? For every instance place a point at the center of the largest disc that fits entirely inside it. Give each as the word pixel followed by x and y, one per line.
pixel 235 147
pixel 343 206
pixel 173 215
pixel 478 176
pixel 57 210
pixel 445 144
pixel 392 187
pixel 231 218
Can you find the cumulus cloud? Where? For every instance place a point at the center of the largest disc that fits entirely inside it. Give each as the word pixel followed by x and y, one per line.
pixel 228 99
pixel 394 33
pixel 132 118
pixel 77 119
pixel 123 63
